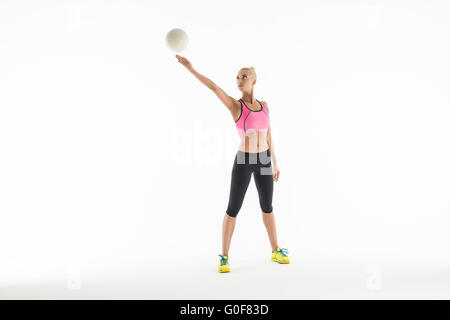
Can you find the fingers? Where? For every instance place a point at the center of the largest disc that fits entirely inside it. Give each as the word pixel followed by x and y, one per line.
pixel 183 60
pixel 180 58
pixel 276 176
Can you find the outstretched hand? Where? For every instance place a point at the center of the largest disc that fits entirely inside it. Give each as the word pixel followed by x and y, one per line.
pixel 185 62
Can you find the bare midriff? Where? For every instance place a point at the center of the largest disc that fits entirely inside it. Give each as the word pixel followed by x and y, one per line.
pixel 254 142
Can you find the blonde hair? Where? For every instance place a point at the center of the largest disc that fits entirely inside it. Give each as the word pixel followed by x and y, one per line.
pixel 251 69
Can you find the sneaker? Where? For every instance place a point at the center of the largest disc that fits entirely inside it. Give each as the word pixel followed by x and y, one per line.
pixel 280 256
pixel 223 266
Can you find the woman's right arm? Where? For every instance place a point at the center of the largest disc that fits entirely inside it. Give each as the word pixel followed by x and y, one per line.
pixel 231 103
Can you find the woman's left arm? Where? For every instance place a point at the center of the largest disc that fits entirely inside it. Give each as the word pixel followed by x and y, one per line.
pixel 270 143
pixel 276 171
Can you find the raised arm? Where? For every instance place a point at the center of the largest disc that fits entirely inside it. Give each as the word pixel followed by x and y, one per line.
pixel 229 102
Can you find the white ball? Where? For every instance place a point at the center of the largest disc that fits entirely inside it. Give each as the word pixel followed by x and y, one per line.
pixel 177 40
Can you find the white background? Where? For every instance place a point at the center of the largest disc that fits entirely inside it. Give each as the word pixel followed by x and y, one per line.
pixel 116 162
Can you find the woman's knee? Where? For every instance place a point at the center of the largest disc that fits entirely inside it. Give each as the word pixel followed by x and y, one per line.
pixel 232 212
pixel 268 208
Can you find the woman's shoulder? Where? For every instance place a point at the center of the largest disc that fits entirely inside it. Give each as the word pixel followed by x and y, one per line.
pixel 265 104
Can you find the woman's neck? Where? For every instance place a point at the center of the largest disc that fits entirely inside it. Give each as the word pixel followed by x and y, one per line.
pixel 249 98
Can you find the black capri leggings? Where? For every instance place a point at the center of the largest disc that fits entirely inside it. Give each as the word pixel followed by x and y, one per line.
pixel 246 163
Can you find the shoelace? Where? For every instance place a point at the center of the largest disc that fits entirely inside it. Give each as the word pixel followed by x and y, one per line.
pixel 223 260
pixel 282 252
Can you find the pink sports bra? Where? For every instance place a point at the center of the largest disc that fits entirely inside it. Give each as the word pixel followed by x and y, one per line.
pixel 251 121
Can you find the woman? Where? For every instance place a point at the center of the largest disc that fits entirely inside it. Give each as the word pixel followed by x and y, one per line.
pixel 252 121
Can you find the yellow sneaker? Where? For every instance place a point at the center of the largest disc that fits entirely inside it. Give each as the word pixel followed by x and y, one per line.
pixel 280 256
pixel 223 266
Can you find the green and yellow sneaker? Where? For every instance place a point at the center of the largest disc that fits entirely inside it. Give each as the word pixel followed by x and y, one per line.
pixel 223 266
pixel 280 256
